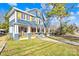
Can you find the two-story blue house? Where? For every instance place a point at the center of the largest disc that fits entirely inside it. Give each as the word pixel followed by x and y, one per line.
pixel 25 23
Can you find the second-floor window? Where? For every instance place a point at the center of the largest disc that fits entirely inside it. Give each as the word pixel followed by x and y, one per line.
pixel 19 15
pixel 28 17
pixel 23 16
pixel 31 18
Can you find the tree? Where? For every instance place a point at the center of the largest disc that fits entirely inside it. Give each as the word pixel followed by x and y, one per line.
pixel 59 11
pixel 5 25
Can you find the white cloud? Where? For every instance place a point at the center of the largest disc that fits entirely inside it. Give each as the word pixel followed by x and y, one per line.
pixel 78 5
pixel 43 5
pixel 78 13
pixel 28 9
pixel 12 4
pixel 71 18
pixel 72 13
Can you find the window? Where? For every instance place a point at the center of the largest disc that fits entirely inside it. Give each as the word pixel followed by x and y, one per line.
pixel 31 18
pixel 19 15
pixel 26 17
pixel 34 19
pixel 23 16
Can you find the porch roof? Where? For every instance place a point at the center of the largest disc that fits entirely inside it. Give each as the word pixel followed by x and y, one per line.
pixel 25 23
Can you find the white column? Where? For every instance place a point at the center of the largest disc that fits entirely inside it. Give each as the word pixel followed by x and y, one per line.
pixel 16 30
pixel 29 29
pixel 48 32
pixel 44 30
pixel 40 29
pixel 29 32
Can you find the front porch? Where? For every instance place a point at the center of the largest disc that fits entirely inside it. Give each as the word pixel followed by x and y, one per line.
pixel 26 29
pixel 27 32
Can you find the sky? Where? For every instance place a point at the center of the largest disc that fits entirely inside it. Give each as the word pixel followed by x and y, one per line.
pixel 23 6
pixel 4 8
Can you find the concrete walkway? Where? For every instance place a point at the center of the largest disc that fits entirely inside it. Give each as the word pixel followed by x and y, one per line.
pixel 60 39
pixel 48 39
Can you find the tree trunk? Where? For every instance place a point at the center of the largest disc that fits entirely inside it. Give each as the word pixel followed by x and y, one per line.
pixel 60 33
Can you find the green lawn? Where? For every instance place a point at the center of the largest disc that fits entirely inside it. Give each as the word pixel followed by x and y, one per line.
pixel 36 47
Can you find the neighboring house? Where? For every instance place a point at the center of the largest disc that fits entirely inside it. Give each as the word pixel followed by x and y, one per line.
pixel 3 32
pixel 24 23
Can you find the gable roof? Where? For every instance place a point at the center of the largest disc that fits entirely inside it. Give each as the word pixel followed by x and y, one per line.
pixel 36 12
pixel 16 9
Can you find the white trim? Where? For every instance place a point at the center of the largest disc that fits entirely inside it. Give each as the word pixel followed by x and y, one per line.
pixel 15 16
pixel 16 30
pixel 36 30
pixel 23 11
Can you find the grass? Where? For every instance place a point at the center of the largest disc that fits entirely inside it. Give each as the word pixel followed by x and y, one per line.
pixel 3 39
pixel 36 47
